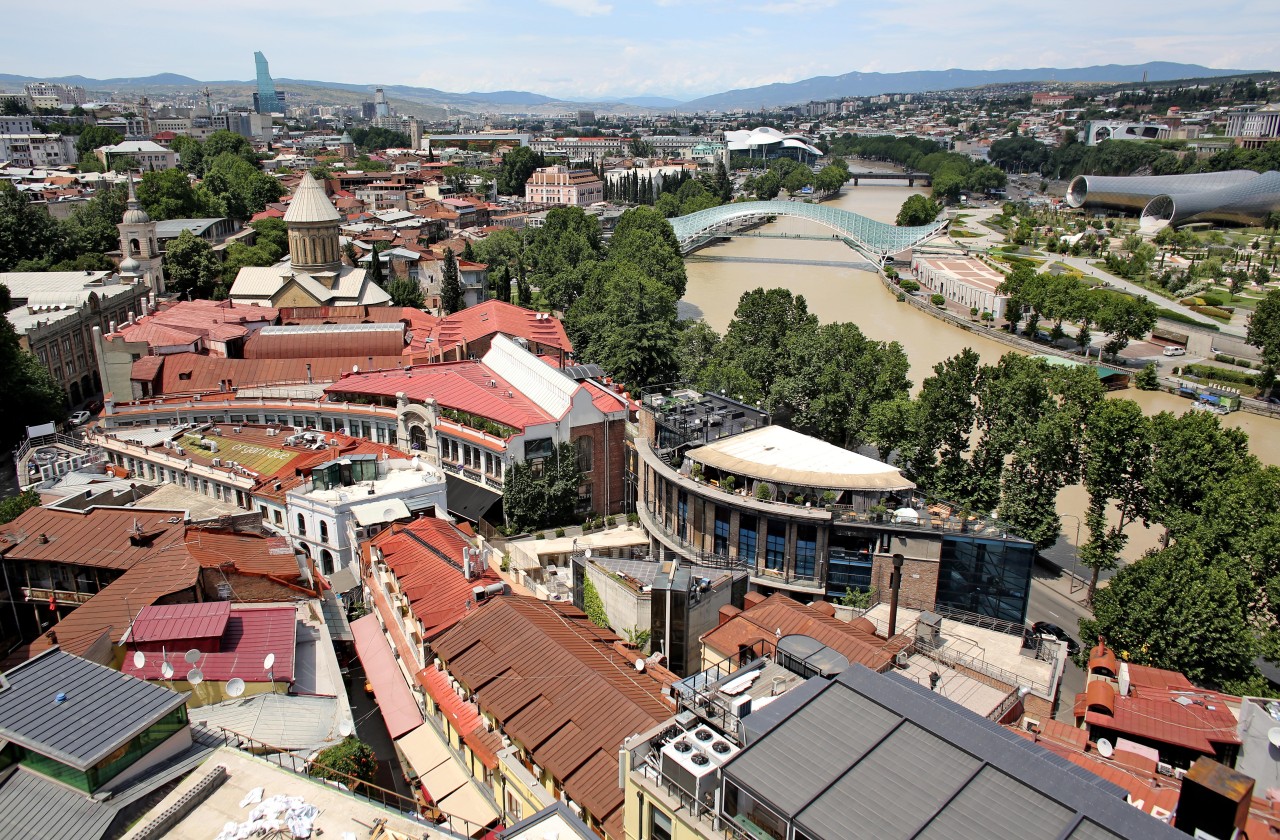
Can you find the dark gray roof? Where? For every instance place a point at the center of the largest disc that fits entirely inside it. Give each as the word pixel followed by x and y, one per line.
pixel 871 756
pixel 170 228
pixel 32 805
pixel 103 708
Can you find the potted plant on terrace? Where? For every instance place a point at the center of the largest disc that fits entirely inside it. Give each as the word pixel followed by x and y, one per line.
pixel 877 512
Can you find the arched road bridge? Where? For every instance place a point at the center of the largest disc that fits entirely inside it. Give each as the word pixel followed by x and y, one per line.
pixel 874 240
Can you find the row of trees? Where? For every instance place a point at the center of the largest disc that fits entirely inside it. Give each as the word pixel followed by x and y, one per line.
pixel 193 272
pixel 1125 157
pixel 231 187
pixel 1064 297
pixel 32 240
pixel 31 394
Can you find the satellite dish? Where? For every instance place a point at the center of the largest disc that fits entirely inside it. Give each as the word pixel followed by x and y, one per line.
pixel 639 664
pixel 192 656
pixel 587 554
pixel 1273 735
pixel 195 676
pixel 345 728
pixel 268 662
pixel 235 687
pixel 166 671
pixel 139 659
pixel 1105 749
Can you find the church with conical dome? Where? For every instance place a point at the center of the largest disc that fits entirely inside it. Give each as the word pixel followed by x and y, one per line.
pixel 313 275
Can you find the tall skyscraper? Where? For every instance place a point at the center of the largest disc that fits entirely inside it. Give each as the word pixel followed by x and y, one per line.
pixel 380 105
pixel 266 100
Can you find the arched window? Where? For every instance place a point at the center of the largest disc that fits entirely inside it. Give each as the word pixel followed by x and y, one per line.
pixel 417 438
pixel 324 531
pixel 134 247
pixel 326 561
pixel 302 525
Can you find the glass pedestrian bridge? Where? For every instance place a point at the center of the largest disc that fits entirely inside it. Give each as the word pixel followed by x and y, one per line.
pixel 875 240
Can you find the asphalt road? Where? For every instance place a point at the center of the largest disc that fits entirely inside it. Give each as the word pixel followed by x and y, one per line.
pixel 1051 601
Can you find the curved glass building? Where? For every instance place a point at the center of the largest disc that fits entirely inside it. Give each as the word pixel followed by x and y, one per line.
pixel 1134 192
pixel 1246 203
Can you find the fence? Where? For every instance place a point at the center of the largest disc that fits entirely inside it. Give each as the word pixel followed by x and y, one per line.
pixel 217 736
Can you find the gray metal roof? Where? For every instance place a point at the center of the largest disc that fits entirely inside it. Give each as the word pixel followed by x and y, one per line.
pixel 170 228
pixel 32 805
pixel 102 709
pixel 871 756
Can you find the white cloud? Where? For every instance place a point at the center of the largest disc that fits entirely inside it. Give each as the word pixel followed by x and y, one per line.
pixel 793 7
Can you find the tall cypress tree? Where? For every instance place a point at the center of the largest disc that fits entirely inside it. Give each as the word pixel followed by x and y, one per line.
pixel 450 287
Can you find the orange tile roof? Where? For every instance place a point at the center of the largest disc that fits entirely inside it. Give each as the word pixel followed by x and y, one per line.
pixel 192 373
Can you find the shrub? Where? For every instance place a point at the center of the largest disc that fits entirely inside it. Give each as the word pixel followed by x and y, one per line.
pixel 938 300
pixel 1233 376
pixel 350 757
pixel 633 518
pixel 1232 360
pixel 902 297
pixel 1213 312
pixel 1170 315
pixel 909 286
pixel 559 532
pixel 764 492
pixel 539 535
pixel 610 521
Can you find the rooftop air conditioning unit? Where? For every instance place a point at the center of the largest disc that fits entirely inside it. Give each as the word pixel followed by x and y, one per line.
pixel 901 658
pixel 929 629
pixel 688 766
pixel 217 462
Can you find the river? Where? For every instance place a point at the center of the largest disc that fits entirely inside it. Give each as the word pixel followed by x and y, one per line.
pixel 716 281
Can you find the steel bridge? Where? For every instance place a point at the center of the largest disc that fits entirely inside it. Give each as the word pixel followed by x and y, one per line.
pixel 874 240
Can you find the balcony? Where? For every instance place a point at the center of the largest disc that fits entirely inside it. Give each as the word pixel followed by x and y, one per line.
pixel 41 595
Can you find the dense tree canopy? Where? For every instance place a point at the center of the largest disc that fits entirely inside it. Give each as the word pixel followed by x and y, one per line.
pixel 193 272
pixel 918 210
pixel 516 168
pixel 31 394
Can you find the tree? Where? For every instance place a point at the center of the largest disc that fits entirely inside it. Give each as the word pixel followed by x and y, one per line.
pixel 228 143
pixel 169 194
pixel 95 137
pixel 626 322
pixel 917 210
pixel 375 272
pixel 517 167
pixel 191 268
pixel 1117 461
pixel 593 604
pixel 451 299
pixel 646 239
pixel 768 186
pixel 542 493
pixel 14 506
pixel 241 187
pixel 1191 455
pixel 721 186
pixel 695 350
pixel 754 342
pixel 560 252
pixel 238 255
pixel 1122 318
pixel 1263 332
pixel 26 232
pixel 1148 379
pixel 1176 610
pixel 273 234
pixel 405 291
pixel 346 760
pixel 31 394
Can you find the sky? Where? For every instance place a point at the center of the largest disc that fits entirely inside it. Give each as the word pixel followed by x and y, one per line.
pixel 583 49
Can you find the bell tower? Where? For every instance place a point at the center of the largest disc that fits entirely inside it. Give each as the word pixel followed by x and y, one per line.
pixel 138 242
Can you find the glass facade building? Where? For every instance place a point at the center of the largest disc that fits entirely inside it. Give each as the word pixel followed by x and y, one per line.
pixel 266 100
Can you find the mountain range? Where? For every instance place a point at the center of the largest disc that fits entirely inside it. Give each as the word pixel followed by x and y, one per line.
pixel 429 101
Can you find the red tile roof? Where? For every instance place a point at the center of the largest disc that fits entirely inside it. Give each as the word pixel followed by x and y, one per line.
pixel 425 556
pixel 191 373
pixel 778 612
pixel 104 538
pixel 180 621
pixel 459 385
pixel 495 316
pixel 559 688
pixel 250 634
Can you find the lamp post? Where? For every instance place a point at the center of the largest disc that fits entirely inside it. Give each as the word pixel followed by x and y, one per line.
pixel 895 583
pixel 1075 557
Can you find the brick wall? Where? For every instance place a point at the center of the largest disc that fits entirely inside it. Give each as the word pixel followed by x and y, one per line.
pixel 608 464
pixel 919 579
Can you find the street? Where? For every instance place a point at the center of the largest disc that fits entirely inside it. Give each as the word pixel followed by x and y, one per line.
pixel 1052 601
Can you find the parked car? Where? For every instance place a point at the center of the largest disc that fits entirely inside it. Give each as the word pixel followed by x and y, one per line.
pixel 1175 351
pixel 79 418
pixel 1045 628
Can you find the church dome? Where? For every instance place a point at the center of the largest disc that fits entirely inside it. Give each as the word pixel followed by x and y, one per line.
pixel 136 216
pixel 310 204
pixel 346 139
pixel 129 265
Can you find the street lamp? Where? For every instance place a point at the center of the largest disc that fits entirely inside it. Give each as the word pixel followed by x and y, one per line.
pixel 1075 560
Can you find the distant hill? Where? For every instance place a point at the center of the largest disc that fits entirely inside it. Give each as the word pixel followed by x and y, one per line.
pixel 919 81
pixel 158 80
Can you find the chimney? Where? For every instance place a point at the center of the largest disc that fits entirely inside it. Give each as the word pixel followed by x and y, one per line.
pixel 895 584
pixel 1214 799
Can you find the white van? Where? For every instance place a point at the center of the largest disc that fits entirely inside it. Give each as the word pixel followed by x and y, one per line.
pixel 1175 351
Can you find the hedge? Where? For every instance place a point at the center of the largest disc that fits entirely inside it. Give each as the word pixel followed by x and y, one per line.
pixel 1233 376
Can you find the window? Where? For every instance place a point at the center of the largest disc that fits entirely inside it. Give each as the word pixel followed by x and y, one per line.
pixel 586 453
pixel 806 550
pixel 682 515
pixel 326 560
pixel 302 525
pixel 775 546
pixel 987 577
pixel 276 518
pixel 324 531
pixel 659 824
pixel 747 539
pixel 721 540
